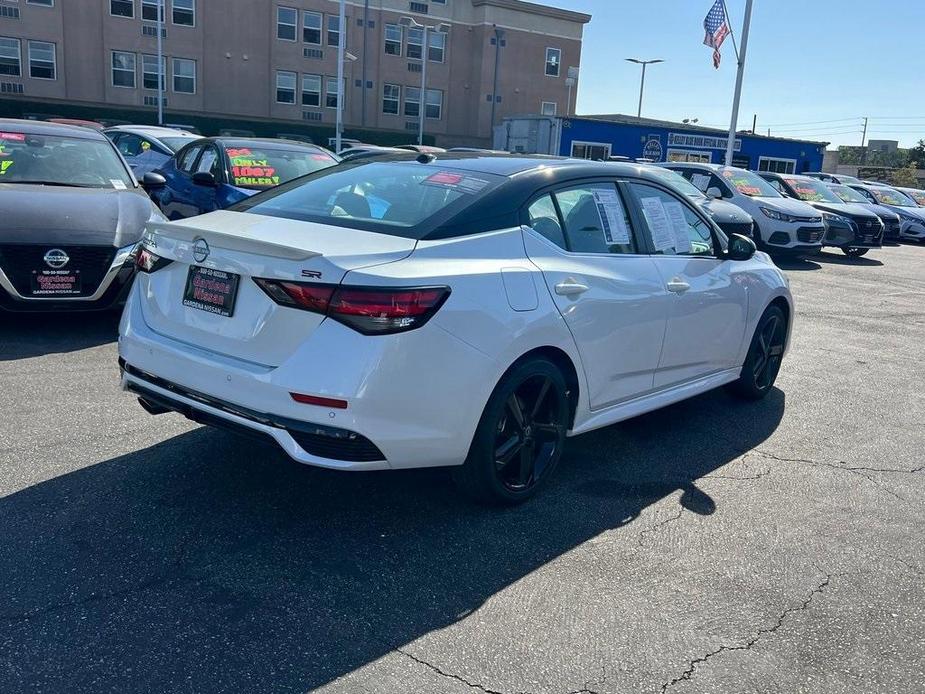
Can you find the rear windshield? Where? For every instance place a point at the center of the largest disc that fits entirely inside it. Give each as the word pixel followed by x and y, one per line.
pixel 258 168
pixel 848 194
pixel 888 196
pixel 811 190
pixel 175 142
pixel 917 195
pixel 397 198
pixel 56 160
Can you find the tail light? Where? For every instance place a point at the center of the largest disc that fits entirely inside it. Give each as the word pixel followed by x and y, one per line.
pixel 369 310
pixel 146 261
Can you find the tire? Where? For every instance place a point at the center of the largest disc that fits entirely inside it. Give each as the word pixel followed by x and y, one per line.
pixel 762 363
pixel 854 252
pixel 519 439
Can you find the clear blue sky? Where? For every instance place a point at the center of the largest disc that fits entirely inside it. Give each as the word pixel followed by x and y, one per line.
pixel 808 61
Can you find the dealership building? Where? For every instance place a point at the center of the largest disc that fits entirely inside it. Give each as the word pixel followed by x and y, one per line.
pixel 270 66
pixel 605 136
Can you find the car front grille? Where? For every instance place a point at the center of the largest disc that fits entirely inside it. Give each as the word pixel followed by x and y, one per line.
pixel 892 229
pixel 809 234
pixel 20 261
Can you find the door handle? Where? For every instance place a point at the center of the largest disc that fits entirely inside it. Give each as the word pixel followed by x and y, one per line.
pixel 571 288
pixel 678 286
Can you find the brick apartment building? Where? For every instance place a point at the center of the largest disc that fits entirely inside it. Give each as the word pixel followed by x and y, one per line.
pixel 270 66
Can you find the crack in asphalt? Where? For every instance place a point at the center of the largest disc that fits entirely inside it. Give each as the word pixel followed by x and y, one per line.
pixel 658 526
pixel 692 666
pixel 448 675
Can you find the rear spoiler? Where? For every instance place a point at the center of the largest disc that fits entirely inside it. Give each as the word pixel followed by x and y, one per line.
pixel 227 240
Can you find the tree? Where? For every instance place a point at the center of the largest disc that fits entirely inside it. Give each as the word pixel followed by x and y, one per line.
pixel 906 176
pixel 917 155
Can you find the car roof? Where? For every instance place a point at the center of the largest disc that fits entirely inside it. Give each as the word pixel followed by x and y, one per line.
pixel 265 142
pixel 152 130
pixel 37 127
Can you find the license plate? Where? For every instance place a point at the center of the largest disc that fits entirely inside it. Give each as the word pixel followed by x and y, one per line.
pixel 209 290
pixel 55 282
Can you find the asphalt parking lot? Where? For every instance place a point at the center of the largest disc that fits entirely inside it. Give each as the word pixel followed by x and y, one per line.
pixel 710 547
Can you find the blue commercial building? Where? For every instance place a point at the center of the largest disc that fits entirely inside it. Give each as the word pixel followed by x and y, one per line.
pixel 602 137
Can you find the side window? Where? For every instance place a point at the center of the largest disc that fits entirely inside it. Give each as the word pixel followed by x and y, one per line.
pixel 674 228
pixel 777 185
pixel 545 220
pixel 129 145
pixel 595 219
pixel 209 162
pixel 187 158
pixel 867 194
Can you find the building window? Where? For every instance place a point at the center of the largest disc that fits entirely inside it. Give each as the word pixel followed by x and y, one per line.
pixel 285 87
pixel 42 60
pixel 330 92
pixel 413 102
pixel 391 98
pixel 184 13
pixel 184 76
pixel 436 46
pixel 393 39
pixel 10 57
pixel 311 90
pixel 700 157
pixel 415 45
pixel 123 69
pixel 44 3
pixel 334 29
pixel 553 58
pixel 784 166
pixel 122 8
pixel 149 9
pixel 287 19
pixel 311 28
pixel 548 108
pixel 434 107
pixel 596 151
pixel 149 72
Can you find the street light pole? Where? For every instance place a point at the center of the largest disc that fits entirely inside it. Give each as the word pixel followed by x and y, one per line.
pixel 160 62
pixel 422 106
pixel 341 42
pixel 642 83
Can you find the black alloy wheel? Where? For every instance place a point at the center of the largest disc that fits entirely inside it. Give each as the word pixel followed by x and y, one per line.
pixel 520 437
pixel 764 356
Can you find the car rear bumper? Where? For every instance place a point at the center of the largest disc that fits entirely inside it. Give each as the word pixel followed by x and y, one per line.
pixel 413 398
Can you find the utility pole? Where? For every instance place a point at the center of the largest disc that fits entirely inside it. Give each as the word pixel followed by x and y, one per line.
pixel 754 124
pixel 739 75
pixel 863 140
pixel 499 37
pixel 160 62
pixel 365 27
pixel 341 43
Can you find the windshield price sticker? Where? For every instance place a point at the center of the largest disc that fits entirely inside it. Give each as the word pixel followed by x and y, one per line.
pixel 659 224
pixel 455 181
pixel 682 241
pixel 14 137
pixel 117 184
pixel 611 213
pixel 249 171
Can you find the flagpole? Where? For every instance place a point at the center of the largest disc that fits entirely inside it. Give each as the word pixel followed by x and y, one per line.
pixel 739 75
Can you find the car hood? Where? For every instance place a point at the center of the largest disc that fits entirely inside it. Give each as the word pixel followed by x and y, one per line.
pixel 796 208
pixel 883 212
pixel 726 212
pixel 57 215
pixel 849 208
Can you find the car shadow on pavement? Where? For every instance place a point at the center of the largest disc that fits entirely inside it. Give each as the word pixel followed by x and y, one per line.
pixel 212 563
pixel 24 335
pixel 796 263
pixel 841 259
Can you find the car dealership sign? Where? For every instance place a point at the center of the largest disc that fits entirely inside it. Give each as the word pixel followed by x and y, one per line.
pixel 686 140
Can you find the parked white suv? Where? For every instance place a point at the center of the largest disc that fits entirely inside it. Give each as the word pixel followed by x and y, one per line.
pixel 782 225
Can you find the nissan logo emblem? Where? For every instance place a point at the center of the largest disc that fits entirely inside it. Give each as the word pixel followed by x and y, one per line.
pixel 200 250
pixel 56 258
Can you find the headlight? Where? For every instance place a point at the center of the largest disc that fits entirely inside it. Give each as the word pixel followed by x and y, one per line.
pixel 836 219
pixel 774 214
pixel 908 217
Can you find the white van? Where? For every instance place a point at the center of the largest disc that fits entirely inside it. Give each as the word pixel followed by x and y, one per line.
pixel 782 225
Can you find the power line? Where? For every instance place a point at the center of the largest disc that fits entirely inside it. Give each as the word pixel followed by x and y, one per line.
pixel 813 122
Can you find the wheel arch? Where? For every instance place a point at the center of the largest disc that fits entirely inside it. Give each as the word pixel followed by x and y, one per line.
pixel 564 363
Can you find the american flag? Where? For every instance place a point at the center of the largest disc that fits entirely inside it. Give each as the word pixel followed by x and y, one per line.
pixel 717 29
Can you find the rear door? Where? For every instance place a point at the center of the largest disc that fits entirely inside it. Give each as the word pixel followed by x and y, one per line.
pixel 178 199
pixel 204 197
pixel 708 298
pixel 609 293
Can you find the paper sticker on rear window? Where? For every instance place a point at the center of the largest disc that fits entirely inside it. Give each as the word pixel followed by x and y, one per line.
pixel 456 181
pixel 15 137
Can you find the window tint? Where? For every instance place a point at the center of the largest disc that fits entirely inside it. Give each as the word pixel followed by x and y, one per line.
pixel 595 219
pixel 188 157
pixel 674 228
pixel 544 220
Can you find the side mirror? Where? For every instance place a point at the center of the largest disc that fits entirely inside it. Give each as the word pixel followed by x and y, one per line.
pixel 714 193
pixel 204 178
pixel 152 180
pixel 740 248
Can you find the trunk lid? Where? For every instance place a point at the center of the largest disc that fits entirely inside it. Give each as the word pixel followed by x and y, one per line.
pixel 248 245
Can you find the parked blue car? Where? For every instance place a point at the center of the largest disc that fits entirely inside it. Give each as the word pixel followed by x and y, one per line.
pixel 215 172
pixel 147 147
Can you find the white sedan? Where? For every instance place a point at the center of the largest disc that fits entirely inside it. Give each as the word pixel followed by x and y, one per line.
pixel 464 310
